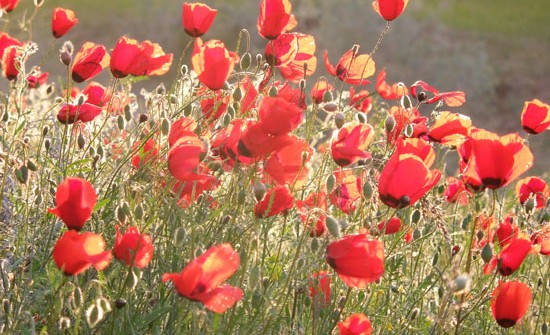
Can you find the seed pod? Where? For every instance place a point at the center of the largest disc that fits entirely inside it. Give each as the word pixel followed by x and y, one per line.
pixel 487 253
pixel 333 227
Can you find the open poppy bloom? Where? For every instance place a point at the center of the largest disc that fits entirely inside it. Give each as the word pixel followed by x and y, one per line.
pixel 63 20
pixel 418 147
pixel 89 61
pixel 193 185
pixel 405 179
pixel 287 164
pixel 506 231
pixel 387 92
pixel 225 144
pixel 357 259
pixel 533 187
pixel 276 200
pixel 450 128
pixel 451 99
pixel 75 199
pixel 360 100
pixel 8 5
pixel 535 116
pixel 495 161
pixel 138 59
pixel 5 41
pixel 403 118
pixel 319 288
pixel 351 142
pixel 213 63
pixel 197 18
pixel 181 127
pixel 389 10
pixel 312 212
pixel 275 18
pixel 97 94
pixel 355 324
pixel 201 280
pixel 279 116
pixel 541 240
pixel 510 302
pixel 71 113
pixel 133 248
pixel 147 153
pixel 293 54
pixel 392 226
pixel 456 191
pixel 510 257
pixel 74 253
pixel 352 68
pixel 346 191
pixel 185 155
pixel 255 141
pixel 11 61
pixel 37 78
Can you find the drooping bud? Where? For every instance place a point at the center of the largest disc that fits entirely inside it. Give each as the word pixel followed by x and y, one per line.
pixel 259 190
pixel 339 120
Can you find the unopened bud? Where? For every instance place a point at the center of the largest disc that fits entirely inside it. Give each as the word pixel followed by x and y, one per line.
pixel 409 130
pixel 330 106
pixel 544 328
pixel 120 215
pixel 461 284
pixel 165 126
pixel 421 96
pixel 339 120
pixel 246 60
pixel 45 130
pixel 273 91
pixel 302 83
pixel 417 234
pixel 120 122
pixel 65 57
pixel 416 216
pixel 327 96
pixel 80 141
pixel 331 180
pixel 530 204
pixel 143 118
pixel 487 253
pixel 406 102
pixel 120 302
pixel 414 313
pixel 315 245
pixel 138 212
pixel 259 190
pixel 389 124
pixel 47 144
pixel 259 60
pixel 361 117
pixel 367 190
pixel 333 227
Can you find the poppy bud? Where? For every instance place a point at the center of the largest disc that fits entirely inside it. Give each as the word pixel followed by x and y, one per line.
pixel 414 313
pixel 461 284
pixel 440 292
pixel 138 212
pixel 544 328
pixel 65 57
pixel 406 102
pixel 246 61
pixel 273 91
pixel 487 253
pixel 47 144
pixel 417 234
pixel 254 277
pixel 530 204
pixel 45 130
pixel 389 123
pixel 333 227
pixel 409 130
pixel 120 122
pixel 22 174
pixel 416 216
pixel 259 191
pixel 339 120
pixel 241 197
pixel 80 141
pixel 361 117
pixel 31 165
pixel 367 190
pixel 120 215
pixel 330 106
pixel 120 302
pixel 331 180
pixel 315 245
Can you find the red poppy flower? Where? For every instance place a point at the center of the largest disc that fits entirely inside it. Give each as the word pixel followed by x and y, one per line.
pixel 387 92
pixel 213 63
pixel 293 54
pixel 346 191
pixel 451 99
pixel 391 226
pixel 90 60
pixel 147 153
pixel 510 302
pixel 510 257
pixel 62 21
pixel 506 231
pixel 541 240
pixel 404 117
pixel 312 212
pixel 418 147
pixel 37 78
pixel 189 189
pixel 249 95
pixel 73 253
pixel 533 187
pixel 7 41
pixel 450 128
pixel 287 164
pixel 404 180
pixel 275 18
pixel 278 116
pixel 197 18
pixel 133 248
pixel 185 155
pixel 276 200
pixel 213 105
pixel 319 89
pixel 75 199
pixel 12 60
pixel 8 5
pixel 226 142
pixel 181 127
pixel 495 161
pixel 355 324
pixel 290 94
pixel 456 191
pixel 351 142
pixel 138 59
pixel 71 113
pixel 357 259
pixel 360 100
pixel 319 288
pixel 255 141
pixel 97 94
pixel 389 10
pixel 352 68
pixel 201 280
pixel 535 116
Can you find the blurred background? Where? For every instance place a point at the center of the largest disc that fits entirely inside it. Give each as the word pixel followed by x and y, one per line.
pixel 498 52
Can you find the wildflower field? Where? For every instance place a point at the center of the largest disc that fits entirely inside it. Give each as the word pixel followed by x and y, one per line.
pixel 251 196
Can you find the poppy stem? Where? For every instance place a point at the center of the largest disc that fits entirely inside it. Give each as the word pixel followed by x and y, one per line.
pixel 340 310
